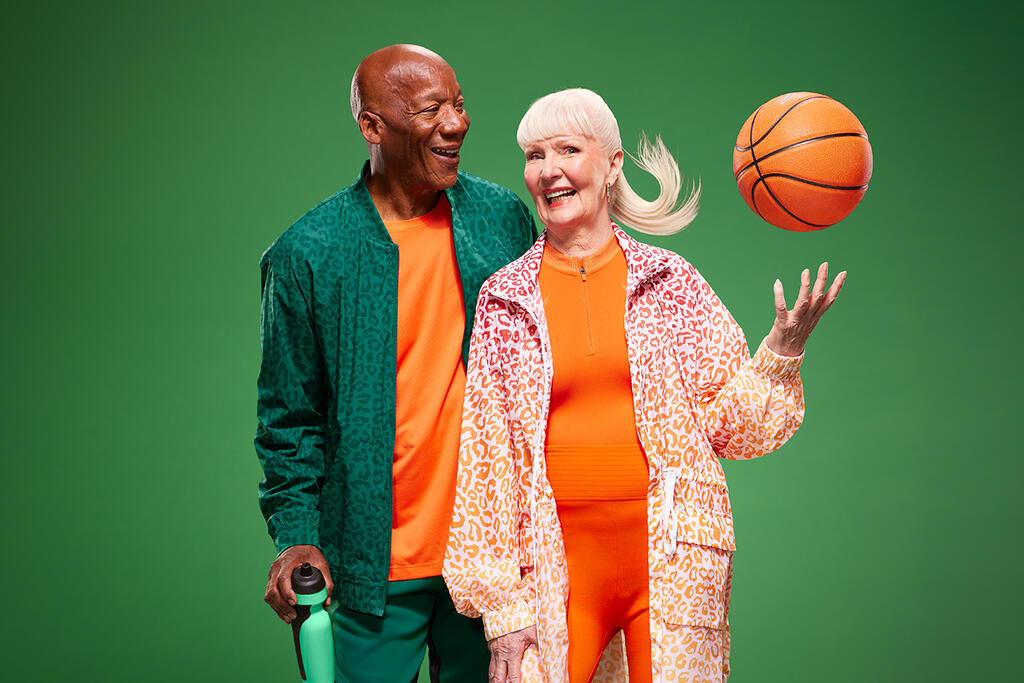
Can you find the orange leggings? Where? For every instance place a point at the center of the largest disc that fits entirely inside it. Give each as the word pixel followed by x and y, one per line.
pixel 606 554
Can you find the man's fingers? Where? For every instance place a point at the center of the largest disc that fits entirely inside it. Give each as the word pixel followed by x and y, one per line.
pixel 284 586
pixel 273 598
pixel 780 301
pixel 286 596
pixel 326 571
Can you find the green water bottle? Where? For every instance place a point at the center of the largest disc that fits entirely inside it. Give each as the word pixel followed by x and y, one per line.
pixel 314 643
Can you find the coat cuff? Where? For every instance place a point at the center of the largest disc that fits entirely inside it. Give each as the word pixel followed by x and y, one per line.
pixel 513 617
pixel 774 366
pixel 294 529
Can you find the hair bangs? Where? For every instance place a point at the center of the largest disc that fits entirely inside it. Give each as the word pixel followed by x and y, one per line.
pixel 560 113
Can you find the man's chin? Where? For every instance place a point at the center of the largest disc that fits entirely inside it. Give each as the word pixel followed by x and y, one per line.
pixel 446 179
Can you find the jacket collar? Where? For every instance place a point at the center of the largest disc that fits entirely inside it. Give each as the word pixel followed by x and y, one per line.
pixel 519 282
pixel 642 260
pixel 361 203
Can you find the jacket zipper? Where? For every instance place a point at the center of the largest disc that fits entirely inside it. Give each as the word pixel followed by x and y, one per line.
pixel 586 308
pixel 668 482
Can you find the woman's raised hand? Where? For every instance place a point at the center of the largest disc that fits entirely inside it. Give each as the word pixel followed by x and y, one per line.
pixel 791 328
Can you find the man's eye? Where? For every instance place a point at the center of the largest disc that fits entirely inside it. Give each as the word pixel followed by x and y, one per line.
pixel 460 105
pixel 571 150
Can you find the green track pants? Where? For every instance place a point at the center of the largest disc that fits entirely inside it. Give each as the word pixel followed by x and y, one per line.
pixel 419 615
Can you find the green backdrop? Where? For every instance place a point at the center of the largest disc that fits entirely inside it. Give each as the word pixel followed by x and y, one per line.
pixel 151 151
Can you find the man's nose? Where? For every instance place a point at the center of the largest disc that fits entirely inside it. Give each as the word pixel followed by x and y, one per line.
pixel 455 121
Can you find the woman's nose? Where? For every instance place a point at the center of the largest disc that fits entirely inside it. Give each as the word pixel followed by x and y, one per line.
pixel 551 168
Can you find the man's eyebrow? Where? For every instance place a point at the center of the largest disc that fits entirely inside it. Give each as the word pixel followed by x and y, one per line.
pixel 434 96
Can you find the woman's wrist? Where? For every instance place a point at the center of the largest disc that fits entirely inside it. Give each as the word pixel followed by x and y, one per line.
pixel 778 344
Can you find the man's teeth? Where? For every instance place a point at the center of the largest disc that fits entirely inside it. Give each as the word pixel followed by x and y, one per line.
pixel 555 196
pixel 451 153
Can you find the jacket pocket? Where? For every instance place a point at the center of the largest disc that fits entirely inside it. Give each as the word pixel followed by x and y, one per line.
pixel 703 515
pixel 698 582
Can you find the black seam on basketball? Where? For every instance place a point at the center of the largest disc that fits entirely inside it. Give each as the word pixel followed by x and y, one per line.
pixel 797 144
pixel 760 179
pixel 742 171
pixel 753 156
pixel 781 116
pixel 782 206
pixel 811 182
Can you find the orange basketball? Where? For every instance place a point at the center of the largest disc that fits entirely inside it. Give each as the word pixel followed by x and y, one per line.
pixel 802 161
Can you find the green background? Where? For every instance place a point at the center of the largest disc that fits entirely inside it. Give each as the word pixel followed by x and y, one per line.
pixel 151 151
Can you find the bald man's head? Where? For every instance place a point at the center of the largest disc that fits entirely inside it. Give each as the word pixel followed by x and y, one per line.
pixel 409 108
pixel 374 73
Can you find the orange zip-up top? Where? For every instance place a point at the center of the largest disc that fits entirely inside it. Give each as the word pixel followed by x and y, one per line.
pixel 430 385
pixel 593 451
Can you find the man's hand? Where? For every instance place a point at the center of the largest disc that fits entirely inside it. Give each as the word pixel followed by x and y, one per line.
pixel 507 655
pixel 279 593
pixel 791 328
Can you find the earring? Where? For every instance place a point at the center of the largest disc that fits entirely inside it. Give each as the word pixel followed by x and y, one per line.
pixel 608 193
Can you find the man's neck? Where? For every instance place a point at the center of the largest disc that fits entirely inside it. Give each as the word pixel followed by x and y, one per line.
pixel 395 203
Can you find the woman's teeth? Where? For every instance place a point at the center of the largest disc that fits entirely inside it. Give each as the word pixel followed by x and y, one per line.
pixel 555 196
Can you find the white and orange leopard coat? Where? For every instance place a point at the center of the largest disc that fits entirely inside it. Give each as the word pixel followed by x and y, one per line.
pixel 698 396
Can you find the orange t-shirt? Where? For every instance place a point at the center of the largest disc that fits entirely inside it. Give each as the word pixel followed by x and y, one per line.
pixel 430 385
pixel 593 451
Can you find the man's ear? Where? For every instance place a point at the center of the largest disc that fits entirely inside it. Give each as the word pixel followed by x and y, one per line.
pixel 371 126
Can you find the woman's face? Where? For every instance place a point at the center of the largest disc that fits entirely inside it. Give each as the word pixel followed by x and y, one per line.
pixel 566 175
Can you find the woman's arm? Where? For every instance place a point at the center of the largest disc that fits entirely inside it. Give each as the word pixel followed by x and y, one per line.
pixel 487 566
pixel 746 406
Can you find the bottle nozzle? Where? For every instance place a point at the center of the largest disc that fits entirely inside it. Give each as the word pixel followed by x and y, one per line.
pixel 307 579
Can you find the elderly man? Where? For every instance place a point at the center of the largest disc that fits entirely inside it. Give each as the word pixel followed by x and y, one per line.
pixel 367 310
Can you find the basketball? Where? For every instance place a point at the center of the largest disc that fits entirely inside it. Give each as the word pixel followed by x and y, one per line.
pixel 802 161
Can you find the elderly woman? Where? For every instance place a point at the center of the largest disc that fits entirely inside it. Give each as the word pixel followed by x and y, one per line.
pixel 605 380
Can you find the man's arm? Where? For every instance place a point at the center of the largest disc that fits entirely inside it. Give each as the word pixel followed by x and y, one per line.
pixel 529 228
pixel 290 432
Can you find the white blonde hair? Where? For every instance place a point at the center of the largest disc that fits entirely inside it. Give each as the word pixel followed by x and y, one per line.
pixel 584 112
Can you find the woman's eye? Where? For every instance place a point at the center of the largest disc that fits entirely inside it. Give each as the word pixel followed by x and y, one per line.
pixel 571 150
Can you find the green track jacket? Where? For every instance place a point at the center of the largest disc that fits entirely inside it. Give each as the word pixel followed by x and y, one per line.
pixel 326 389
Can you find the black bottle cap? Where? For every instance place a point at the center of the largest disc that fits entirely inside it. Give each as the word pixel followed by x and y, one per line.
pixel 307 579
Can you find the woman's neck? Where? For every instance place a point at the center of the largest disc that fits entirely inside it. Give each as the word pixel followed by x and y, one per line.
pixel 580 241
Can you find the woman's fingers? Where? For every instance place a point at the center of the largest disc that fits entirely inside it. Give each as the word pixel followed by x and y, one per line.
pixel 515 663
pixel 831 295
pixel 498 670
pixel 792 328
pixel 820 283
pixel 781 313
pixel 803 299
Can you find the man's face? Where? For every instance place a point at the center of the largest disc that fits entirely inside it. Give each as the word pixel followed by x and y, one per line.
pixel 425 124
